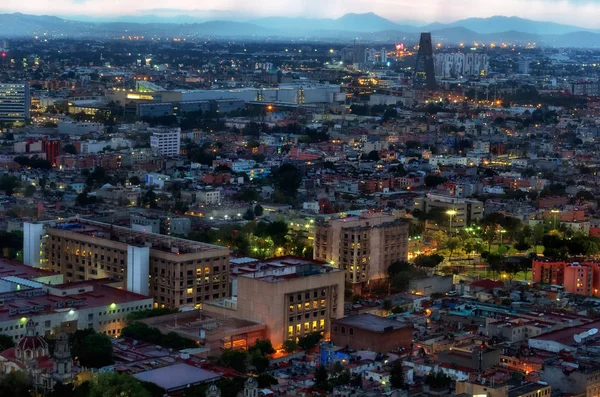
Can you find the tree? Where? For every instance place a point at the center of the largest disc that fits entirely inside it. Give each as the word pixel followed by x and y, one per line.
pixel 397 375
pixel 6 342
pixel 434 180
pixel 521 245
pixel 438 380
pixel 93 351
pixel 234 359
pixel 69 149
pixel 452 245
pixel 258 210
pixel 373 155
pixel 264 347
pixel 114 384
pixel 322 378
pixel 135 180
pixel 265 380
pixel 398 267
pixel 249 215
pixel 8 184
pixel 287 179
pixel 290 346
pixel 429 261
pixel 308 342
pixel 15 385
pixel 495 262
pixel 29 191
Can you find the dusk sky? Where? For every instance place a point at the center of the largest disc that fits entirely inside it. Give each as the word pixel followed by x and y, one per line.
pixel 574 12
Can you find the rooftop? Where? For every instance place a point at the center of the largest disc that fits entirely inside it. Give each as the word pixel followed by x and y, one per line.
pixel 283 268
pixel 526 389
pixel 177 376
pixel 371 322
pixel 15 305
pixel 132 237
pixel 16 269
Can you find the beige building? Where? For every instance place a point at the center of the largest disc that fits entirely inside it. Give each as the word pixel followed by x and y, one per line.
pixel 292 296
pixel 481 388
pixel 175 272
pixel 460 212
pixel 363 246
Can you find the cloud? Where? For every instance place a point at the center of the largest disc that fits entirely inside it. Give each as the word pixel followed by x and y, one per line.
pixel 580 12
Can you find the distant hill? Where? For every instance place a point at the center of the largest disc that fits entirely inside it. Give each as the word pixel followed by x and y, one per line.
pixel 367 27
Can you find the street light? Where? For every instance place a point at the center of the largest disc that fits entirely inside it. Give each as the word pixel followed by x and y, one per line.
pixel 555 212
pixel 451 214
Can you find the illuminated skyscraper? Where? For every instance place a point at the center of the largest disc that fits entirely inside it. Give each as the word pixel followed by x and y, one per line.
pixel 424 69
pixel 14 102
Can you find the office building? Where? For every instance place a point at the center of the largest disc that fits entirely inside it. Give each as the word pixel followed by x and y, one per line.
pixel 176 272
pixel 457 65
pixel 167 141
pixel 457 212
pixel 15 102
pixel 363 246
pixel 424 69
pixel 292 296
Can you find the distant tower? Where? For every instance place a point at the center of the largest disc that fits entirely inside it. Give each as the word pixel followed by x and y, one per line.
pixel 251 388
pixel 213 391
pixel 63 362
pixel 424 70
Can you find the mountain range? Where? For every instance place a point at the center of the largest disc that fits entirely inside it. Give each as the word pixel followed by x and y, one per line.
pixel 367 27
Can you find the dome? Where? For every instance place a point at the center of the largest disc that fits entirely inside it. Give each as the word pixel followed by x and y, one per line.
pixel 31 346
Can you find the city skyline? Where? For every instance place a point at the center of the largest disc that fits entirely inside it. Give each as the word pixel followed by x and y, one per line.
pixel 580 12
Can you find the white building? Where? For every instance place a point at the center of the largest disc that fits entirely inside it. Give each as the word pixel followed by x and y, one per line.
pixel 167 141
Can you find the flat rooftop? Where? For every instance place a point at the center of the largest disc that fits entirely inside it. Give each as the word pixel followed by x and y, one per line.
pixel 93 293
pixel 283 268
pixel 372 323
pixel 16 269
pixel 565 335
pixel 177 376
pixel 525 389
pixel 129 236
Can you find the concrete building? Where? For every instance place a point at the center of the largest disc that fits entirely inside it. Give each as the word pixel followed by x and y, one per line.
pixel 176 272
pixel 15 102
pixel 460 212
pixel 363 246
pixel 292 296
pixel 166 141
pixel 161 224
pixel 370 332
pixel 69 307
pixel 581 278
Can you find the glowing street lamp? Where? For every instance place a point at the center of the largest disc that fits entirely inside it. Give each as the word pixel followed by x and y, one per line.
pixel 451 214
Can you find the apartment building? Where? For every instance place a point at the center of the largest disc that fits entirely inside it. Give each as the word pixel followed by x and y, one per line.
pixel 363 246
pixel 15 102
pixel 175 272
pixel 166 141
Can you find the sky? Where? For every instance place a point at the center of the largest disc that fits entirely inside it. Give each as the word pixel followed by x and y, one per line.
pixel 584 13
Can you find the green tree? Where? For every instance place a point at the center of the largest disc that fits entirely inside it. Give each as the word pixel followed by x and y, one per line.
pixel 29 191
pixel 69 149
pixel 287 179
pixel 398 267
pixel 8 184
pixel 290 346
pixel 308 342
pixel 322 378
pixel 15 385
pixel 434 180
pixel 397 375
pixel 249 215
pixel 115 384
pixel 234 359
pixel 6 342
pixel 94 351
pixel 265 380
pixel 135 180
pixel 263 346
pixel 452 245
pixel 258 210
pixel 373 155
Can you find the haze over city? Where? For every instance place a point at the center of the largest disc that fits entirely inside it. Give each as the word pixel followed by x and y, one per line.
pixel 581 13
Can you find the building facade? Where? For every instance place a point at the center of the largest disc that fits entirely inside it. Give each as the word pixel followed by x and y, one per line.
pixel 292 296
pixel 166 141
pixel 370 332
pixel 176 272
pixel 363 246
pixel 15 102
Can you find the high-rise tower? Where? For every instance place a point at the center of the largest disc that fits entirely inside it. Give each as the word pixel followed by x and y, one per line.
pixel 424 70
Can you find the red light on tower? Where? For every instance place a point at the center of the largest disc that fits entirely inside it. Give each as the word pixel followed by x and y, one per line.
pixel 4 54
pixel 399 47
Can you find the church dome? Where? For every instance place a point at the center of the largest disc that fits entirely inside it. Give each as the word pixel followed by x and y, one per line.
pixel 31 346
